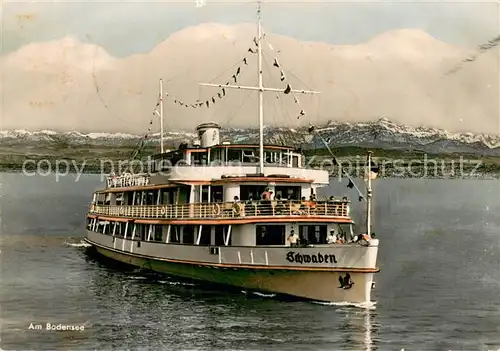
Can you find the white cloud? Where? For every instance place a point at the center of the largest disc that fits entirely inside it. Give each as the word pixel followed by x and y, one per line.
pixel 400 74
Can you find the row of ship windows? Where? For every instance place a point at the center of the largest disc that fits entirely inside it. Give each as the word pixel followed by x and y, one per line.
pixel 267 235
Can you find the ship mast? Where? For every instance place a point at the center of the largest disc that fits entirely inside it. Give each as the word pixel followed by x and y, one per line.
pixel 261 95
pixel 261 89
pixel 161 115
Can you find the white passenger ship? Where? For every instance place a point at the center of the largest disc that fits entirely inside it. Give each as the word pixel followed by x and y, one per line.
pixel 204 212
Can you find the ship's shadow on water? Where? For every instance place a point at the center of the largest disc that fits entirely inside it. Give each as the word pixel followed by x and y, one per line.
pixel 183 286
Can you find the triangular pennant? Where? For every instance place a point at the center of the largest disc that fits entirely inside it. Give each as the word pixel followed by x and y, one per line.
pixel 238 71
pixel 295 99
pixel 360 198
pixel 150 122
pixel 288 89
pixel 276 63
pixel 223 92
pixel 227 83
pixel 302 113
pixel 175 100
pixel 350 185
pixel 208 104
pixel 213 100
pixel 245 61
pixel 219 95
pixel 250 50
pixel 311 129
pixel 282 78
pixel 255 41
pixel 234 77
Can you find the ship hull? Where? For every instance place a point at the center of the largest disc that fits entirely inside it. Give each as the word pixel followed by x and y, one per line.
pixel 308 284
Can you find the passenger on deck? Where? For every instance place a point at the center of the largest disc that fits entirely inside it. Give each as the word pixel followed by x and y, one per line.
pixel 332 238
pixel 236 206
pixel 265 208
pixel 266 195
pixel 293 239
pixel 362 239
pixel 280 208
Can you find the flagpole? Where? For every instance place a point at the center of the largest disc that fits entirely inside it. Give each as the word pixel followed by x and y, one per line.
pixel 369 195
pixel 161 115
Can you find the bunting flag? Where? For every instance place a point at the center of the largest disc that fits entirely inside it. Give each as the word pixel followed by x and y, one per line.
pixel 211 101
pixel 288 89
pixel 276 63
pixel 371 172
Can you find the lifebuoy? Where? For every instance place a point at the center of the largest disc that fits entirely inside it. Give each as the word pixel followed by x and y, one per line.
pixel 163 210
pixel 216 210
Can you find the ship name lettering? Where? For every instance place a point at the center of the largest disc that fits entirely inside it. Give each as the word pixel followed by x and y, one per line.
pixel 314 258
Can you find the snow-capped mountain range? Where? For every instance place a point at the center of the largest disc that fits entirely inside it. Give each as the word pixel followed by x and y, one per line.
pixel 377 134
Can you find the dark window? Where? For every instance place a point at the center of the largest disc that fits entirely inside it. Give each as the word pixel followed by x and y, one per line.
pixel 270 235
pixel 312 234
pixel 205 235
pixel 216 193
pixel 233 155
pixel 251 190
pixel 188 234
pixel 220 232
pixel 175 236
pixel 199 158
pixel 157 233
pixel 285 192
pixel 250 156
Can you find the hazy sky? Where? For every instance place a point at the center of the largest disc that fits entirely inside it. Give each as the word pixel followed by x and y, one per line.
pixel 124 28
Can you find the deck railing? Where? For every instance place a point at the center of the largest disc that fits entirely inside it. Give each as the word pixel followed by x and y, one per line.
pixel 226 210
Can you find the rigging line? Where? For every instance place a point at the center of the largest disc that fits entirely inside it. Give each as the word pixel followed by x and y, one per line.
pixel 239 107
pixel 240 61
pixel 285 112
pixel 97 86
pixel 340 166
pixel 286 71
pixel 290 72
pixel 280 99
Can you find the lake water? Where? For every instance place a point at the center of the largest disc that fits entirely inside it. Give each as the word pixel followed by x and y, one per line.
pixel 438 289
